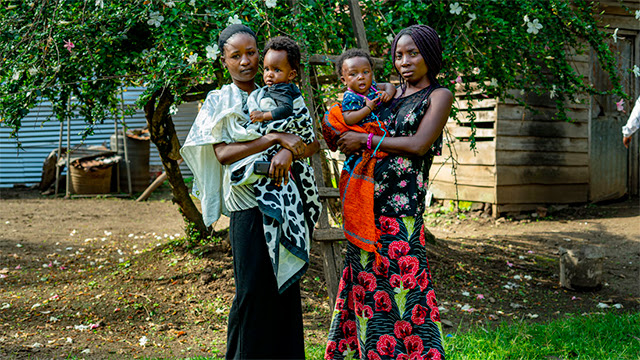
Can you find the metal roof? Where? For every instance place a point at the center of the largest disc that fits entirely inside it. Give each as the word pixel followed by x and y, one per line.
pixel 39 137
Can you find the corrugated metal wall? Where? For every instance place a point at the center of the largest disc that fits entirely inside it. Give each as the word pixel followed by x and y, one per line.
pixel 39 139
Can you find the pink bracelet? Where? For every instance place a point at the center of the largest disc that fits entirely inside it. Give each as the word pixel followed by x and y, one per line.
pixel 369 140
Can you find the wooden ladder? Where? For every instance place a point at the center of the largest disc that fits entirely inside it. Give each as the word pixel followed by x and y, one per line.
pixel 327 237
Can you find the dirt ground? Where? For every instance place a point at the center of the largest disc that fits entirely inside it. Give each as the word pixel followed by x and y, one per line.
pixel 107 278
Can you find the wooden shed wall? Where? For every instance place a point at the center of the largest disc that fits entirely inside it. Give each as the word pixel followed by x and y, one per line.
pixel 462 173
pixel 522 159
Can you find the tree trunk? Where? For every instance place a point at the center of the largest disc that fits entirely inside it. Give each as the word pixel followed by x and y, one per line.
pixel 163 135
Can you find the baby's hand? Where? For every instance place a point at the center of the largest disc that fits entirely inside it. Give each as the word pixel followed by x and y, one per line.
pixel 257 116
pixel 383 95
pixel 372 104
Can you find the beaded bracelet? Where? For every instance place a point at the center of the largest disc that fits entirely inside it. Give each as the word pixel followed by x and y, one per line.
pixel 369 140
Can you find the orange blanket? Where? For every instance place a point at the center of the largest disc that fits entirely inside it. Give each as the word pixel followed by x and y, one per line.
pixel 356 184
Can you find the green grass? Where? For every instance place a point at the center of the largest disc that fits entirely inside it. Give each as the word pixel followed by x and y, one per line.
pixel 596 337
pixel 592 337
pixel 609 336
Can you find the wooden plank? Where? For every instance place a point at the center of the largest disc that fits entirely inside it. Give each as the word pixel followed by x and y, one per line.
pixel 464 132
pixel 358 25
pixel 557 194
pixel 328 234
pixel 475 103
pixel 545 100
pixel 533 143
pixel 613 7
pixel 543 175
pixel 553 129
pixel 578 57
pixel 480 175
pixel 443 190
pixel 506 208
pixel 621 22
pixel 484 154
pixel 475 88
pixel 541 158
pixel 328 193
pixel 517 112
pixel 482 116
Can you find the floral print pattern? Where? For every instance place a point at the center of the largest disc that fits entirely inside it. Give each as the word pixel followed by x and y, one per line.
pixel 400 185
pixel 391 310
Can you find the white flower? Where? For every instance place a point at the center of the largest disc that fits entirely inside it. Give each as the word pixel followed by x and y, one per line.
pixel 472 17
pixel 465 293
pixel 16 75
pixel 455 8
pixel 636 70
pixel 155 18
pixel 494 82
pixel 271 3
pixel 552 93
pixel 234 20
pixel 170 3
pixel 192 3
pixel 192 58
pixel 173 109
pixel 526 19
pixel 143 341
pixel 100 4
pixel 602 306
pixel 534 26
pixel 637 14
pixel 615 35
pixel 212 51
pixel 390 38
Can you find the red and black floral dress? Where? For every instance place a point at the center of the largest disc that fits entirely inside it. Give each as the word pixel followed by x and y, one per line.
pixel 389 310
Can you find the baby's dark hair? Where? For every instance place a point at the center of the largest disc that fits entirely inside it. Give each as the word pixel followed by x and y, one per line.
pixel 283 43
pixel 350 54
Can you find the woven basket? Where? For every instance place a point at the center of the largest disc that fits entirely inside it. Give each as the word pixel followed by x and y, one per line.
pixel 97 181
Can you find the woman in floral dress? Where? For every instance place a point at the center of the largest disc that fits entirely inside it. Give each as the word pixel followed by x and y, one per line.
pixel 386 307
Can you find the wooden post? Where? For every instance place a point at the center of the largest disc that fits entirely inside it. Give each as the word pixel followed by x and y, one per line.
pixel 358 25
pixel 581 269
pixel 331 250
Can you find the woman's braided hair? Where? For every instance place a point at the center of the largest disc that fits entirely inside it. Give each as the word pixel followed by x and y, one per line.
pixel 430 47
pixel 232 30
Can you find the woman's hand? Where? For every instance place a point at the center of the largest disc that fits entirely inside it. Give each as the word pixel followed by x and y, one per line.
pixel 291 142
pixel 352 142
pixel 280 165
